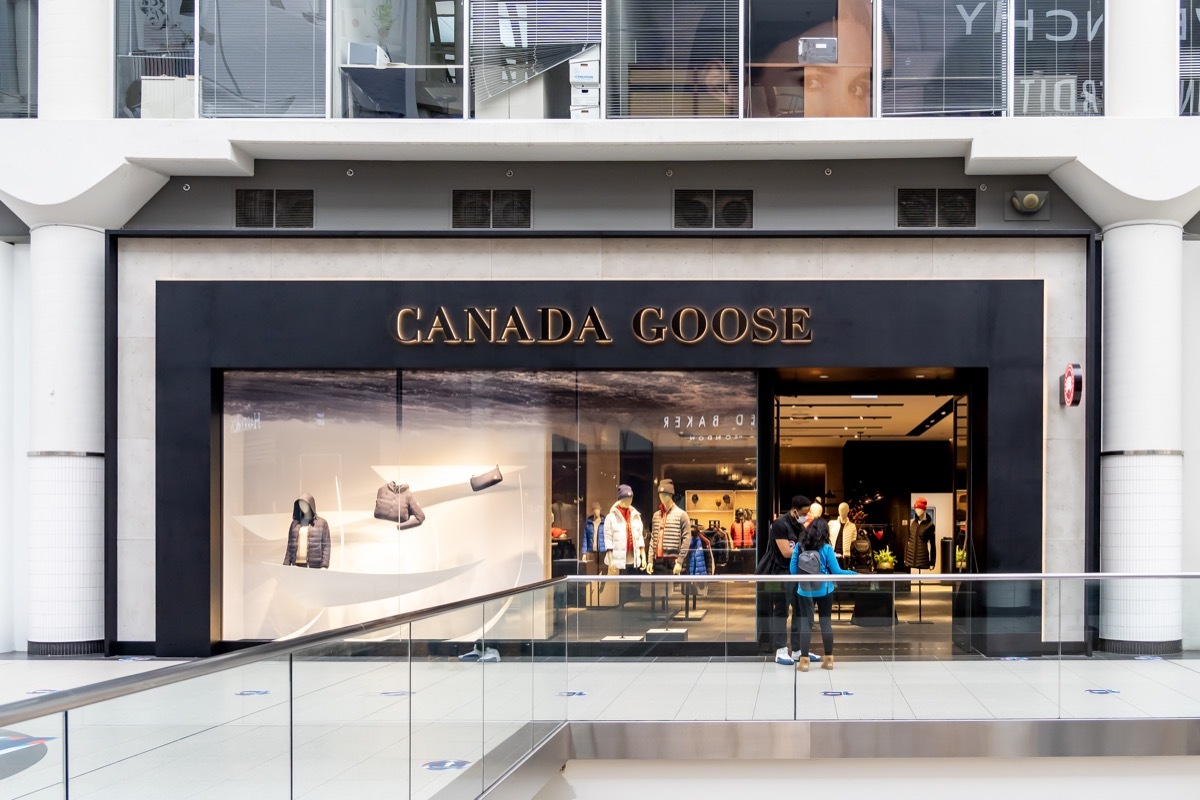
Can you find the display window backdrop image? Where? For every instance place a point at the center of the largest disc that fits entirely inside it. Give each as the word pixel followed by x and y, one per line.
pixel 402 490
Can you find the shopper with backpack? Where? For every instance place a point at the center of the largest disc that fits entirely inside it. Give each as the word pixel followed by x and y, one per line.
pixel 813 557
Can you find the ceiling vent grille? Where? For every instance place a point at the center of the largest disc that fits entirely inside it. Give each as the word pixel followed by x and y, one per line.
pixel 485 208
pixel 714 208
pixel 935 208
pixel 274 208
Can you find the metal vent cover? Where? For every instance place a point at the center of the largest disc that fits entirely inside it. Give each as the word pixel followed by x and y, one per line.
pixel 487 208
pixel 935 208
pixel 274 208
pixel 714 208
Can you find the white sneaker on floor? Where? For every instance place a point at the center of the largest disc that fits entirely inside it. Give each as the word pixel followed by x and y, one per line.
pixel 782 656
pixel 473 655
pixel 490 655
pixel 813 657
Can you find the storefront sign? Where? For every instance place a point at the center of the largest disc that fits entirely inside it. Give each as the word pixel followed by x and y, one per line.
pixel 554 325
pixel 1072 386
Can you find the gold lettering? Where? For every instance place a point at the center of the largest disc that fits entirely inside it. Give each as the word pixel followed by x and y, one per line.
pixel 766 329
pixel 415 314
pixel 700 324
pixel 742 325
pixel 565 325
pixel 443 326
pixel 515 324
pixel 795 325
pixel 657 332
pixel 594 325
pixel 486 325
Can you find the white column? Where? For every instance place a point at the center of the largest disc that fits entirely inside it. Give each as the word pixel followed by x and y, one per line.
pixel 76 59
pixel 1141 464
pixel 66 441
pixel 1141 71
pixel 7 528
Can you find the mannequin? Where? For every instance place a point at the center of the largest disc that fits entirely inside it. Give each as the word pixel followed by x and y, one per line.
pixel 671 530
pixel 593 537
pixel 308 536
pixel 626 539
pixel 919 552
pixel 844 528
pixel 742 530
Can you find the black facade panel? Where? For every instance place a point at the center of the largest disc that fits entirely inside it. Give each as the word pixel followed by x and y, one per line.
pixel 206 327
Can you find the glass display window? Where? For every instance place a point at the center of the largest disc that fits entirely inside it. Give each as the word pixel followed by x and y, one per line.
pixel 1189 58
pixel 348 496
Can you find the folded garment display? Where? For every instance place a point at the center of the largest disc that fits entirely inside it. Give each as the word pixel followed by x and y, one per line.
pixel 489 478
pixel 396 503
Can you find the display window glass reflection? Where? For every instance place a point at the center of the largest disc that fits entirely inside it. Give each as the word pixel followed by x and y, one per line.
pixel 347 496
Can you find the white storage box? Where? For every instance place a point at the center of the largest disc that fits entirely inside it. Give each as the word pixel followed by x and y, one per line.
pixel 585 95
pixel 585 71
pixel 585 112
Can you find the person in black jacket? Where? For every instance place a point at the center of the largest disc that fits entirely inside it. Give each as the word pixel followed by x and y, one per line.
pixel 783 536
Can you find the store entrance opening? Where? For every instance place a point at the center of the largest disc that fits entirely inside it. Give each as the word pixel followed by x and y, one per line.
pixel 888 457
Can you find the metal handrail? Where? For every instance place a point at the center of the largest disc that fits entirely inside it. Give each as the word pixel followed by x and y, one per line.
pixel 886 577
pixel 58 702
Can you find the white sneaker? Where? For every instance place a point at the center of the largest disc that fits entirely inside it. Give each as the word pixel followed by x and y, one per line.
pixel 490 655
pixel 782 656
pixel 473 655
pixel 813 657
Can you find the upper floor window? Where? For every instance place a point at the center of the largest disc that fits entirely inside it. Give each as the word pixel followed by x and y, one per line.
pixel 18 58
pixel 1059 58
pixel 1189 57
pixel 944 58
pixel 810 58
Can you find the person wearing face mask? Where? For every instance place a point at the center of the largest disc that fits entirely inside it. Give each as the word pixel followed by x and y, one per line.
pixel 670 530
pixel 626 540
pixel 308 536
pixel 783 536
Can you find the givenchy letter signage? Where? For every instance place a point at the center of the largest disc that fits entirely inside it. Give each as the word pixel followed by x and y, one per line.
pixel 553 325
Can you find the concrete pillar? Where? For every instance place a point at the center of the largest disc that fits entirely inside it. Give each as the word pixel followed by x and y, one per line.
pixel 1141 463
pixel 7 528
pixel 1141 71
pixel 75 59
pixel 66 441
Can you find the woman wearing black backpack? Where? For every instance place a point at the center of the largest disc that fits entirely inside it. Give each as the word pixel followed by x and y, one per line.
pixel 816 538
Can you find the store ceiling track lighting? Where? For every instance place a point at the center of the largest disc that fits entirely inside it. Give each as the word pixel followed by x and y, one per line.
pixel 939 414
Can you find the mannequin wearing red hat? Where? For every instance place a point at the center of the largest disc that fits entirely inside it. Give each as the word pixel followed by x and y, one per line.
pixel 919 551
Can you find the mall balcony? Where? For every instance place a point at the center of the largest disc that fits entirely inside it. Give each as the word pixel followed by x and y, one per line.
pixel 534 693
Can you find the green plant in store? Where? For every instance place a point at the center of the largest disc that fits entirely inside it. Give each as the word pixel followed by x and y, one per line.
pixel 960 558
pixel 885 560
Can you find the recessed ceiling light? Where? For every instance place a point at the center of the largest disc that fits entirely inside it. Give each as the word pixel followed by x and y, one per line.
pixel 864 397
pixel 824 376
pixel 920 376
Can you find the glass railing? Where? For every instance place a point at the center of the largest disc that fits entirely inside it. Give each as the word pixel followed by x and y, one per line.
pixel 449 700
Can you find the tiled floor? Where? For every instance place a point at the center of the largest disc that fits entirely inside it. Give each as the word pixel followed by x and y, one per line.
pixel 373 727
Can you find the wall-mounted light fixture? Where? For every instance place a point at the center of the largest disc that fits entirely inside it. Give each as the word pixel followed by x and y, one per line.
pixel 1029 201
